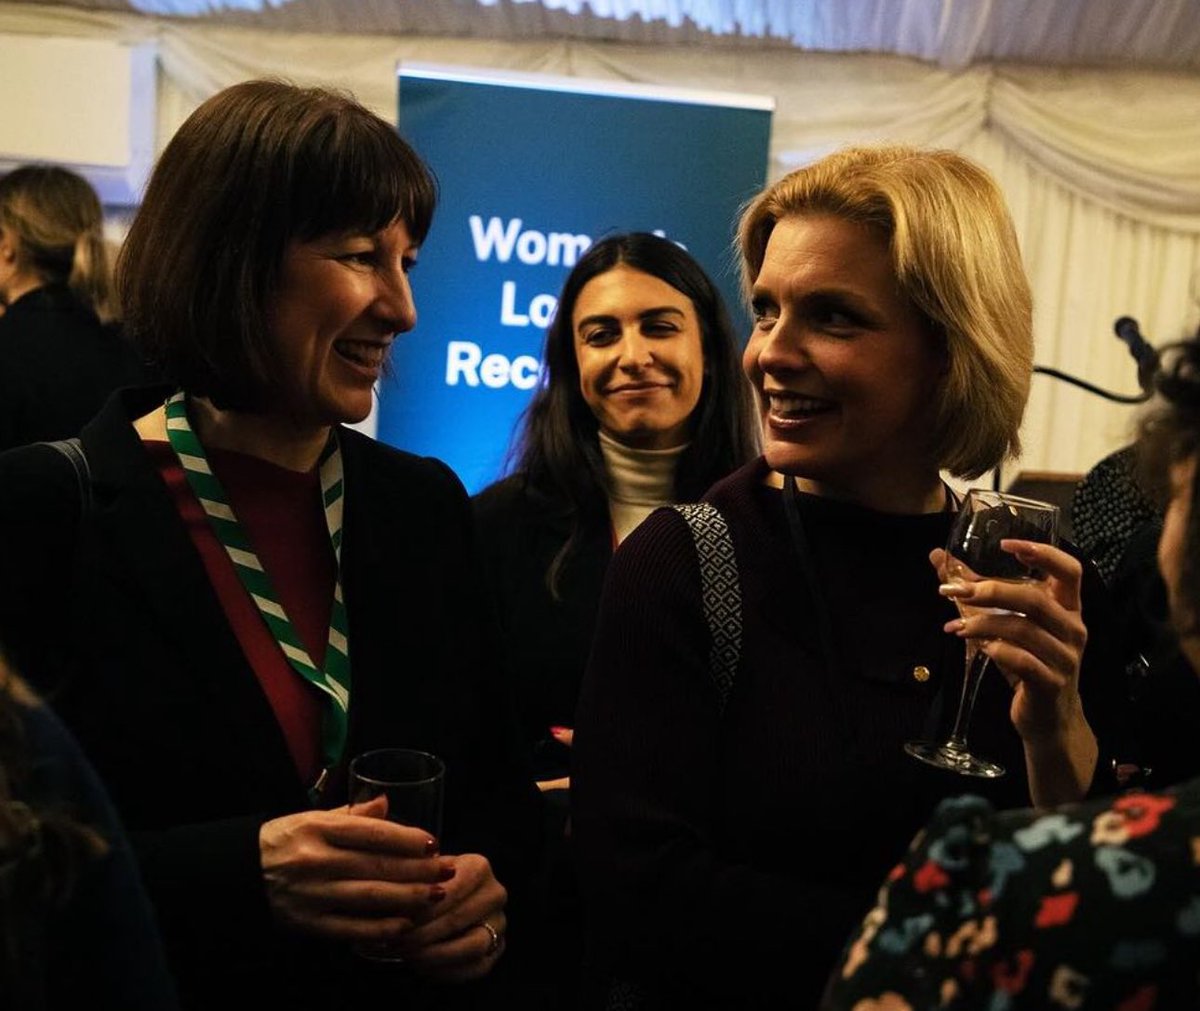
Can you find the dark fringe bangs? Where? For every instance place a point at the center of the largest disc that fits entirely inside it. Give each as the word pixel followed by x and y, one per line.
pixel 355 173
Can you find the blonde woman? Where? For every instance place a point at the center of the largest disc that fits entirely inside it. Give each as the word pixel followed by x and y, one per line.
pixel 723 851
pixel 60 356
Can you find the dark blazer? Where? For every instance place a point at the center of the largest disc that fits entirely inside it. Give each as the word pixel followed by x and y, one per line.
pixel 121 628
pixel 546 647
pixel 547 641
pixel 58 364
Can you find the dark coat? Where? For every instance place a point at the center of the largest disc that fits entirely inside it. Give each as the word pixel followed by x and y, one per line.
pixel 546 647
pixel 547 641
pixel 58 364
pixel 122 629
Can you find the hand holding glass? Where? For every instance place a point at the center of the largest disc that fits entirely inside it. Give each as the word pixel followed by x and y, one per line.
pixel 411 783
pixel 973 553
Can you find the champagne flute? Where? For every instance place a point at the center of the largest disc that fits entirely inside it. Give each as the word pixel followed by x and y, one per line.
pixel 973 553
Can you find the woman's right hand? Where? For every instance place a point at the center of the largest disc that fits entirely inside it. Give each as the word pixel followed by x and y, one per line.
pixel 351 877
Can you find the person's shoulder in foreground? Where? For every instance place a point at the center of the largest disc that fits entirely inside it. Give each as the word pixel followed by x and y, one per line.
pixel 94 942
pixel 1093 905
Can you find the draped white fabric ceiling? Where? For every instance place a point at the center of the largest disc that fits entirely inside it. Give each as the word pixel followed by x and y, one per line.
pixel 951 33
pixel 1086 111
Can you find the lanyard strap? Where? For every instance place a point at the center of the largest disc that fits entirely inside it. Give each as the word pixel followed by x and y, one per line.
pixel 334 680
pixel 819 608
pixel 828 677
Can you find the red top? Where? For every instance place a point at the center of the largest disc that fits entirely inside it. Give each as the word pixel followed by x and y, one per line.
pixel 281 513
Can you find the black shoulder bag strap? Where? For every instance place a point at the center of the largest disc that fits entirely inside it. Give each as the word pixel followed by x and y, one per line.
pixel 720 592
pixel 72 449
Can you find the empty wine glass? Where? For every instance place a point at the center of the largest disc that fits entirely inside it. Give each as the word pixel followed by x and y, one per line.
pixel 973 553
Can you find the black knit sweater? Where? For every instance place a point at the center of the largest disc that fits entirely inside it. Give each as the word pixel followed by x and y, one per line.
pixel 725 859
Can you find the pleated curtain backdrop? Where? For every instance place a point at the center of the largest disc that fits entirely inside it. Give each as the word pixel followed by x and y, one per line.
pixel 1101 166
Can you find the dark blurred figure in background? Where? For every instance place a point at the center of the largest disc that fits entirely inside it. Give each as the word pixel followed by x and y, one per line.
pixel 1117 522
pixel 1107 509
pixel 1164 693
pixel 76 928
pixel 60 354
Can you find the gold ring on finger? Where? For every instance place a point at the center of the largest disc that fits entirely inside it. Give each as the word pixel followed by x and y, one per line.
pixel 493 937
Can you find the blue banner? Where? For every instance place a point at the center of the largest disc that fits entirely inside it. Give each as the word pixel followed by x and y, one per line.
pixel 531 171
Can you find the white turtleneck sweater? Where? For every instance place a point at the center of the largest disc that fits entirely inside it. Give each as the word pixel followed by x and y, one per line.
pixel 639 481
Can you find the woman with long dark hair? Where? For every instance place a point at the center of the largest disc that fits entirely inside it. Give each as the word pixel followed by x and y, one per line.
pixel 642 404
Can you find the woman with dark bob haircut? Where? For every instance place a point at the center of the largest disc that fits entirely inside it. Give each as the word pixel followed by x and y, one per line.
pixel 642 404
pixel 732 819
pixel 236 594
pixel 1089 906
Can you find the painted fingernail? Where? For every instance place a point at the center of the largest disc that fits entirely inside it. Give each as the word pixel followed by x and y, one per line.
pixel 431 846
pixel 447 872
pixel 436 894
pixel 956 589
pixel 558 731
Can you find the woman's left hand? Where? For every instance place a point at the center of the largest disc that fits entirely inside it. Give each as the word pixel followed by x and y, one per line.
pixel 1035 636
pixel 464 936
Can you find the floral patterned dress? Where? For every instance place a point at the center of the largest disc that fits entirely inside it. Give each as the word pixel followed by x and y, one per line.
pixel 1094 905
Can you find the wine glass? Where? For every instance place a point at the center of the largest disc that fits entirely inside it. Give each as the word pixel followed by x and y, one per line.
pixel 973 553
pixel 408 787
pixel 411 781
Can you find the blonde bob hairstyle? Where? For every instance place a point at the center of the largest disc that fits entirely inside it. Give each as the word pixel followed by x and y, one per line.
pixel 955 256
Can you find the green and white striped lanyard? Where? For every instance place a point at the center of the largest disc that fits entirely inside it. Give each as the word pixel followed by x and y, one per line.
pixel 334 680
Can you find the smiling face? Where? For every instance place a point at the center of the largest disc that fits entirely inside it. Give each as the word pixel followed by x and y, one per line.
pixel 339 303
pixel 844 365
pixel 640 356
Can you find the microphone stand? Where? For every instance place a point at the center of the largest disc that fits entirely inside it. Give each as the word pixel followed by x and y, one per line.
pixel 1083 384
